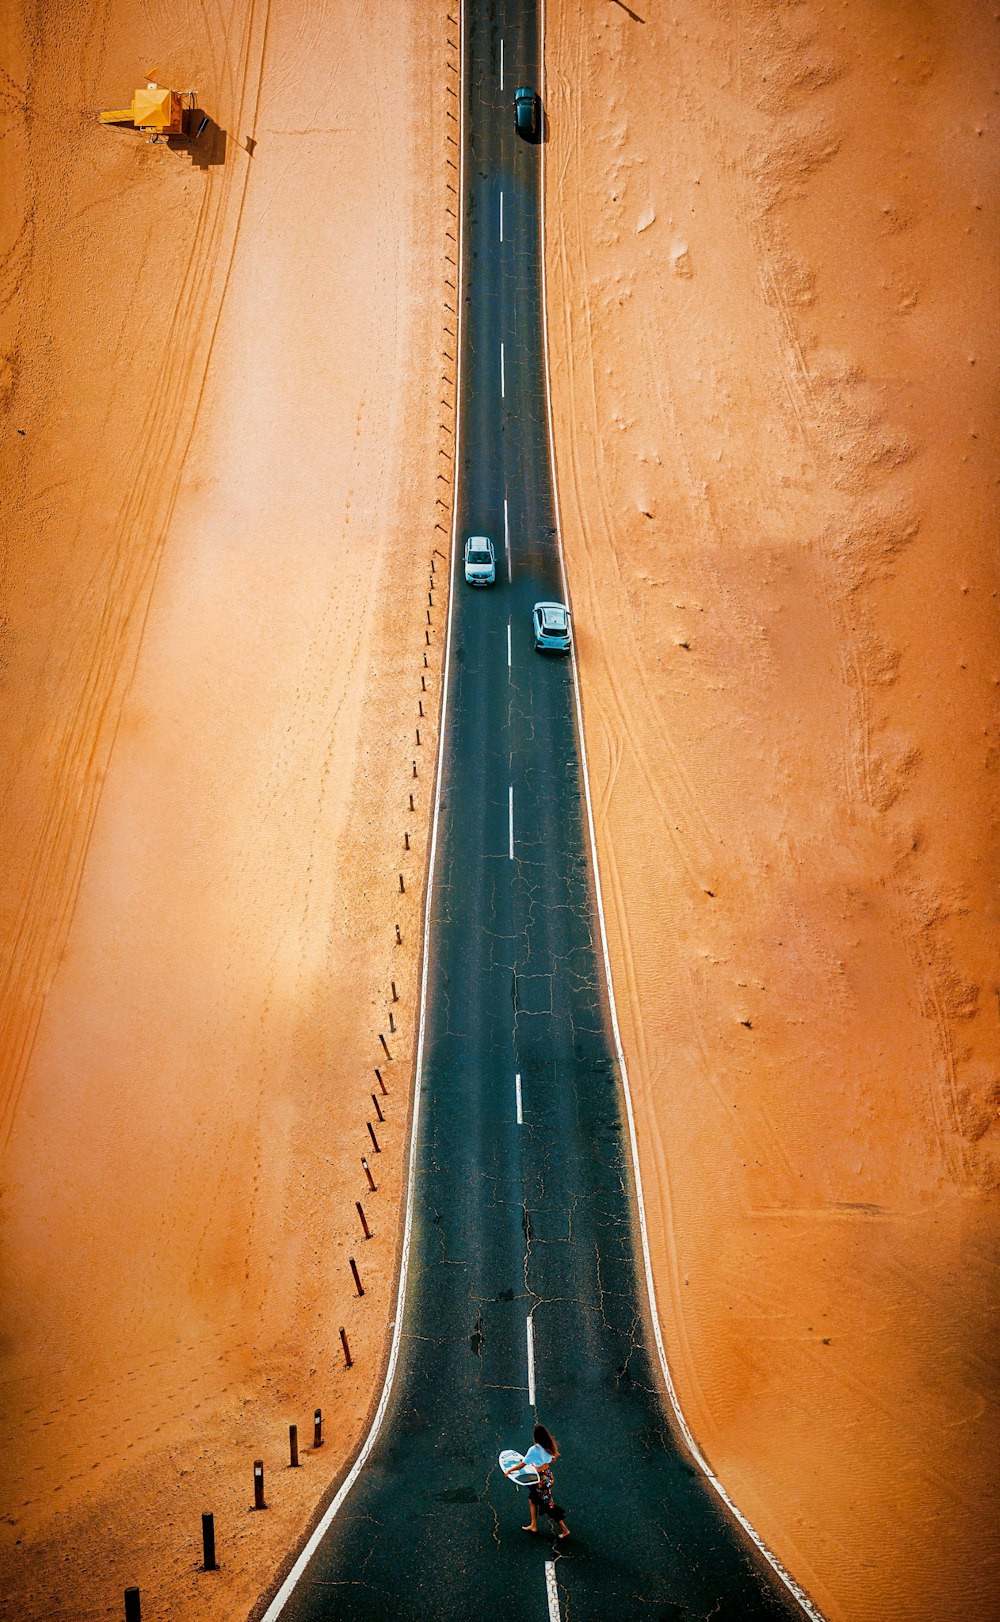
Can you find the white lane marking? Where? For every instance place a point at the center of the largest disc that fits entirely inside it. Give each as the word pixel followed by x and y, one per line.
pixel 501 216
pixel 502 387
pixel 309 1548
pixel 517 1098
pixel 506 539
pixel 531 1363
pixel 510 820
pixel 551 1590
pixel 798 1593
pixel 501 64
pixel 508 644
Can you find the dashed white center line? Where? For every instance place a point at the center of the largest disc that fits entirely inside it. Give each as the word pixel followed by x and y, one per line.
pixel 506 539
pixel 531 1363
pixel 501 216
pixel 510 821
pixel 517 1098
pixel 502 385
pixel 508 644
pixel 501 64
pixel 551 1590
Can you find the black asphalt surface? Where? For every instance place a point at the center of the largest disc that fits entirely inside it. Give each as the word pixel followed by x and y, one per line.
pixel 533 1219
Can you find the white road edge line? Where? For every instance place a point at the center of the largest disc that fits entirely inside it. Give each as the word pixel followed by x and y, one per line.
pixel 501 64
pixel 798 1593
pixel 506 539
pixel 531 1362
pixel 503 389
pixel 501 214
pixel 510 822
pixel 552 1590
pixel 508 644
pixel 517 1098
pixel 284 1593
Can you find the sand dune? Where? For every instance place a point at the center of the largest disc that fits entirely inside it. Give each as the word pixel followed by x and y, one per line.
pixel 773 294
pixel 219 521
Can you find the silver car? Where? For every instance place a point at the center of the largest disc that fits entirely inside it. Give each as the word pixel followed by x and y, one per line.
pixel 553 627
pixel 480 561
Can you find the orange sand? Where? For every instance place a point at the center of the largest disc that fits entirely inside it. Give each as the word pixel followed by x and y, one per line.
pixel 772 285
pixel 218 524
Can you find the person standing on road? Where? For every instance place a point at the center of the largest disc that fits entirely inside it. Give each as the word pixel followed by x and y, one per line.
pixel 541 1456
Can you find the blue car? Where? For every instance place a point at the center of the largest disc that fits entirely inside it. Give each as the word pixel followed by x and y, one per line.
pixel 553 627
pixel 526 112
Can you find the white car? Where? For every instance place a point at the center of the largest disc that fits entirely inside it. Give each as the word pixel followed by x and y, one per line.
pixel 553 626
pixel 480 561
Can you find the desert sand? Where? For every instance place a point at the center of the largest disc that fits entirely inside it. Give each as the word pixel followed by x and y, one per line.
pixel 227 379
pixel 772 236
pixel 227 407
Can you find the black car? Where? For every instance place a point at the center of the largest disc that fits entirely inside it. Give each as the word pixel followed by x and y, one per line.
pixel 526 112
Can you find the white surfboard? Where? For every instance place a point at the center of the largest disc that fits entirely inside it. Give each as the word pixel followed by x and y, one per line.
pixel 514 1468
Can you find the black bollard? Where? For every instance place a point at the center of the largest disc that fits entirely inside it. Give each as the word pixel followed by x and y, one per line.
pixel 133 1605
pixel 208 1542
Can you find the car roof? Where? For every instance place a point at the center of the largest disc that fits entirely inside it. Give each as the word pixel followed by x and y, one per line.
pixel 479 540
pixel 553 613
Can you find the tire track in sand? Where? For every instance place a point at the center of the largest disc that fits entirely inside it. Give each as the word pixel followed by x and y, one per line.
pixel 82 745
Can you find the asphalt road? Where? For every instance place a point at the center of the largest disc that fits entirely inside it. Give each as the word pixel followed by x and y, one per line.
pixel 531 1219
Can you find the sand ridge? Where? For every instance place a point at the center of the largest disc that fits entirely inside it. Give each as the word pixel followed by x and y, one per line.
pixel 221 628
pixel 771 291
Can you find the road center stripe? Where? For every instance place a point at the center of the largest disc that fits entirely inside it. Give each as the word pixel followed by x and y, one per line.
pixel 531 1363
pixel 501 216
pixel 551 1590
pixel 503 390
pixel 506 539
pixel 517 1098
pixel 508 644
pixel 510 821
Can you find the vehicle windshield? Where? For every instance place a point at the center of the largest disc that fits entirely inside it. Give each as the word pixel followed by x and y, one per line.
pixel 554 620
pixel 479 557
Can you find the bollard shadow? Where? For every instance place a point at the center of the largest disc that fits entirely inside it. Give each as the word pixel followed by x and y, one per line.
pixel 203 140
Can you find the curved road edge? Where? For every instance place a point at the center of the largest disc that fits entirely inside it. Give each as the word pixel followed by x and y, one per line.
pixel 315 1537
pixel 798 1593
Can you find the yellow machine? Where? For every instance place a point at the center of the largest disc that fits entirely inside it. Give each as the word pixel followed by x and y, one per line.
pixel 155 111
